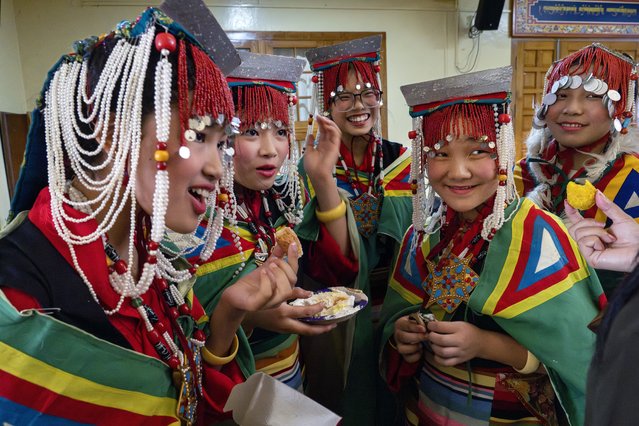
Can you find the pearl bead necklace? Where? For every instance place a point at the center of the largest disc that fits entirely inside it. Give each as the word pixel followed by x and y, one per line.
pixel 64 99
pixel 425 219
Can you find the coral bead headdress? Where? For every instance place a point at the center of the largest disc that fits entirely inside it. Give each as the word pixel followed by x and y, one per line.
pixel 169 59
pixel 78 111
pixel 330 65
pixel 264 87
pixel 473 104
pixel 602 72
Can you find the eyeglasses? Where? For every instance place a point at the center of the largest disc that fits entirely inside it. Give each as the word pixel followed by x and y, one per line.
pixel 345 101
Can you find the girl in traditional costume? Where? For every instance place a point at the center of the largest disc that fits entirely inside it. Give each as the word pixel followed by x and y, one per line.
pixel 585 129
pixel 265 197
pixel 98 324
pixel 372 174
pixel 489 298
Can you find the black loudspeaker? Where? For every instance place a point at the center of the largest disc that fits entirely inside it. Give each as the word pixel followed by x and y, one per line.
pixel 488 14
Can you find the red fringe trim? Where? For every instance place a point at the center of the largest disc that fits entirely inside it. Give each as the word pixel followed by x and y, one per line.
pixel 473 120
pixel 604 65
pixel 210 95
pixel 257 104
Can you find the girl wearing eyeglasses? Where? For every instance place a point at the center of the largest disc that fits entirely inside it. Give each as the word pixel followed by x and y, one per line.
pixel 372 175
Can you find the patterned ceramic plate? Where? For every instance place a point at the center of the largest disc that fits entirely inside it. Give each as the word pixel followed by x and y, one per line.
pixel 342 304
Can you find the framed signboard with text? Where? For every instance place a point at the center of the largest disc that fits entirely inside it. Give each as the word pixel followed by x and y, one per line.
pixel 569 18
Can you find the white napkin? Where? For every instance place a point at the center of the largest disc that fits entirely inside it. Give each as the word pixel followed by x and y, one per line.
pixel 264 401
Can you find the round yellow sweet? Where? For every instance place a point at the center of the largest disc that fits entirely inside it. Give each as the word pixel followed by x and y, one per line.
pixel 581 197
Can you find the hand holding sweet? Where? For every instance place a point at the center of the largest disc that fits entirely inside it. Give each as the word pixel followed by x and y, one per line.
pixel 408 338
pixel 267 286
pixel 614 248
pixel 320 158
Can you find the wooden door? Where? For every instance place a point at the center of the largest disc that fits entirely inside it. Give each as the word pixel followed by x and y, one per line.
pixel 297 49
pixel 13 133
pixel 531 63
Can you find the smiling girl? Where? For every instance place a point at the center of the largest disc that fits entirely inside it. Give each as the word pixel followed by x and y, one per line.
pixel 372 174
pixel 585 129
pixel 505 286
pixel 266 195
pixel 97 318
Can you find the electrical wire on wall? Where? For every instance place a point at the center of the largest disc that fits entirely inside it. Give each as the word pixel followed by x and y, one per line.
pixel 474 34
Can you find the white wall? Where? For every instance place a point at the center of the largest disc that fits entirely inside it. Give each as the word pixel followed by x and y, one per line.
pixel 11 84
pixel 12 98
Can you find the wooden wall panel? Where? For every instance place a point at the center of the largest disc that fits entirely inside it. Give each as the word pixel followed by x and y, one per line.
pixel 13 131
pixel 531 63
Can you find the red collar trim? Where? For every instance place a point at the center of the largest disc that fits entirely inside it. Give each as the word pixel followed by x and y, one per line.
pixel 91 257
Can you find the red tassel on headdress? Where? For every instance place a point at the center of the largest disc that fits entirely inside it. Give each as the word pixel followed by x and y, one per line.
pixel 210 95
pixel 183 90
pixel 604 65
pixel 338 75
pixel 473 120
pixel 261 103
